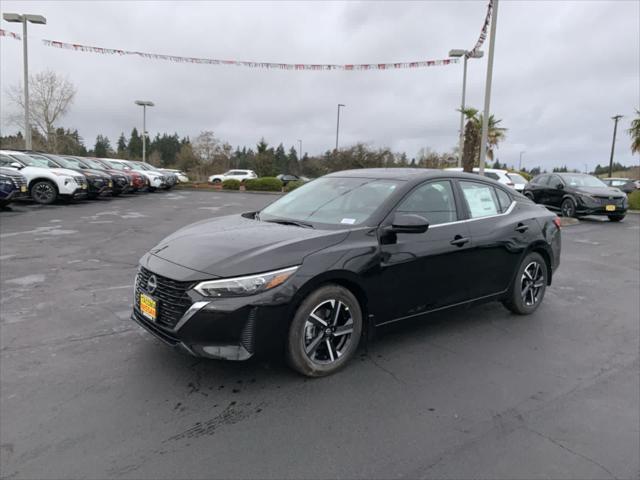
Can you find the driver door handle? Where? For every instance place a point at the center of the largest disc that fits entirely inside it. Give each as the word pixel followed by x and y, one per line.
pixel 459 241
pixel 522 228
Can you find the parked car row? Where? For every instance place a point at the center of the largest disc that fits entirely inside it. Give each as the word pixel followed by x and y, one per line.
pixel 46 177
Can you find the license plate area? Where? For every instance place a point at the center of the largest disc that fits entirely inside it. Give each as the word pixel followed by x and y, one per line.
pixel 148 306
pixel 610 208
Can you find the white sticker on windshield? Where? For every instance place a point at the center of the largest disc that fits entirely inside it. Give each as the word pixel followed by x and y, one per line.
pixel 348 221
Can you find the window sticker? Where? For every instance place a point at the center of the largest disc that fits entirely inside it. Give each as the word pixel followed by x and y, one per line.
pixel 480 201
pixel 348 221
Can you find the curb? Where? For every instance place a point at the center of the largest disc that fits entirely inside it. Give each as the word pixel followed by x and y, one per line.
pixel 253 192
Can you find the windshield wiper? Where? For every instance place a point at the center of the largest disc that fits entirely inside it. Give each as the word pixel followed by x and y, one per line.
pixel 297 223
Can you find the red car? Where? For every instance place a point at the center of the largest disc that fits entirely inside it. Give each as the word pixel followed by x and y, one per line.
pixel 137 181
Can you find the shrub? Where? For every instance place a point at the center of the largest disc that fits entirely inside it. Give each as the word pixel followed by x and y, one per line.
pixel 264 184
pixel 231 184
pixel 293 185
pixel 634 200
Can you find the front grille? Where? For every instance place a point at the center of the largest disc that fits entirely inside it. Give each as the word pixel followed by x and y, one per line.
pixel 609 201
pixel 158 332
pixel 171 295
pixel 17 179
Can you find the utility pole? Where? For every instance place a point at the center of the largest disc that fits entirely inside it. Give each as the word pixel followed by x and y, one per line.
pixel 615 119
pixel 487 89
pixel 144 104
pixel 520 162
pixel 338 125
pixel 300 151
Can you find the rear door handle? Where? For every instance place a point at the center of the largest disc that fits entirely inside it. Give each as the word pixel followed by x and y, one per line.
pixel 459 241
pixel 522 228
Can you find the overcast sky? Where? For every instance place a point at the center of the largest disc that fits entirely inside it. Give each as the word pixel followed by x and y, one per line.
pixel 561 70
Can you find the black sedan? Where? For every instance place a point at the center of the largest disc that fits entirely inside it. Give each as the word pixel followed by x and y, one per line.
pixel 577 194
pixel 339 256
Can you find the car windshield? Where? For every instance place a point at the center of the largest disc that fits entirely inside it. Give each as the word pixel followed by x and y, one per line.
pixel 33 160
pixel 583 181
pixel 93 164
pixel 63 162
pixel 332 200
pixel 117 165
pixel 517 178
pixel 72 162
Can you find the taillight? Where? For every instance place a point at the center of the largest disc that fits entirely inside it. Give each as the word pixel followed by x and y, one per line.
pixel 557 222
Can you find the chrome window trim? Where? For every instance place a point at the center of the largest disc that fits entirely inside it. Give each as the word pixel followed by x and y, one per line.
pixel 506 212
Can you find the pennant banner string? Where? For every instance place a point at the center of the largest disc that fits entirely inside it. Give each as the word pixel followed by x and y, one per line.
pixel 483 31
pixel 240 63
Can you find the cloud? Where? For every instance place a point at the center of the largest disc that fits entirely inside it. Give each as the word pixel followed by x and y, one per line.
pixel 562 69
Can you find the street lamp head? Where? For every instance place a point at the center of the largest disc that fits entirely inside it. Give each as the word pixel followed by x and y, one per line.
pixel 27 17
pixel 144 103
pixel 39 19
pixel 341 105
pixel 12 17
pixel 457 53
pixel 466 53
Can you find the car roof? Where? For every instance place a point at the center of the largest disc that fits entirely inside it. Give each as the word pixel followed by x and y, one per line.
pixel 406 174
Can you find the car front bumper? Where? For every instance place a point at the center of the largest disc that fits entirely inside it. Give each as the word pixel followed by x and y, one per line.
pixel 222 328
pixel 600 210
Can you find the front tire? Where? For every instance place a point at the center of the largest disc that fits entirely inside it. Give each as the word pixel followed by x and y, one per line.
pixel 616 218
pixel 325 332
pixel 216 180
pixel 529 285
pixel 43 192
pixel 568 208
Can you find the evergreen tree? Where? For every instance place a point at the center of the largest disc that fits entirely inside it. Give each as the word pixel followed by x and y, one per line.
pixel 102 148
pixel 122 146
pixel 134 147
pixel 280 160
pixel 293 166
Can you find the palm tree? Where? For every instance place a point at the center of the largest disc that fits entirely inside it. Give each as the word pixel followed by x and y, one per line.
pixel 472 138
pixel 634 132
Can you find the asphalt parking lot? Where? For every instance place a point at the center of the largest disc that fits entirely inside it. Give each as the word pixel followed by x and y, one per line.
pixel 479 392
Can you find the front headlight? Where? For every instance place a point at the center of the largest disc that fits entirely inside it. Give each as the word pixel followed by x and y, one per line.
pixel 242 286
pixel 587 199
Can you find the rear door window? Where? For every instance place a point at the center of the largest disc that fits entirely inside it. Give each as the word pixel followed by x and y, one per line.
pixel 481 199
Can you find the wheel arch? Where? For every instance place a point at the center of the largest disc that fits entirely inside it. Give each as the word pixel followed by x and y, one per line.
pixel 343 278
pixel 542 249
pixel 44 179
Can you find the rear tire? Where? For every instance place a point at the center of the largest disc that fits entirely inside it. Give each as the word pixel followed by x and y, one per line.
pixel 616 218
pixel 529 285
pixel 216 180
pixel 325 332
pixel 568 208
pixel 43 192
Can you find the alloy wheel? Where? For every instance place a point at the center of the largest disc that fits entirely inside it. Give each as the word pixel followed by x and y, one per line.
pixel 532 283
pixel 43 193
pixel 567 208
pixel 328 332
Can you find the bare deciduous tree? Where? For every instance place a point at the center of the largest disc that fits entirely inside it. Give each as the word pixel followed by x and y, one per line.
pixel 50 96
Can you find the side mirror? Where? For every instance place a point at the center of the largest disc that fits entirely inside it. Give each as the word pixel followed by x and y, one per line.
pixel 560 186
pixel 409 223
pixel 17 165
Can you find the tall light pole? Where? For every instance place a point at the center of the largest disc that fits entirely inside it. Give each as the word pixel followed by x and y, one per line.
pixel 520 161
pixel 487 89
pixel 466 54
pixel 144 104
pixel 300 150
pixel 615 119
pixel 17 18
pixel 338 125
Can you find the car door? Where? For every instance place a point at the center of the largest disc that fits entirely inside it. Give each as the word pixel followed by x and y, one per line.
pixel 499 234
pixel 420 272
pixel 555 191
pixel 538 188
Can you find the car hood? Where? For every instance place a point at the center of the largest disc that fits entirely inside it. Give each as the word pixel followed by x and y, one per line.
pixel 65 171
pixel 235 245
pixel 600 191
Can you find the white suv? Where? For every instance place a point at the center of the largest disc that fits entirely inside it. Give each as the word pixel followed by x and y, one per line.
pixel 513 180
pixel 240 175
pixel 45 179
